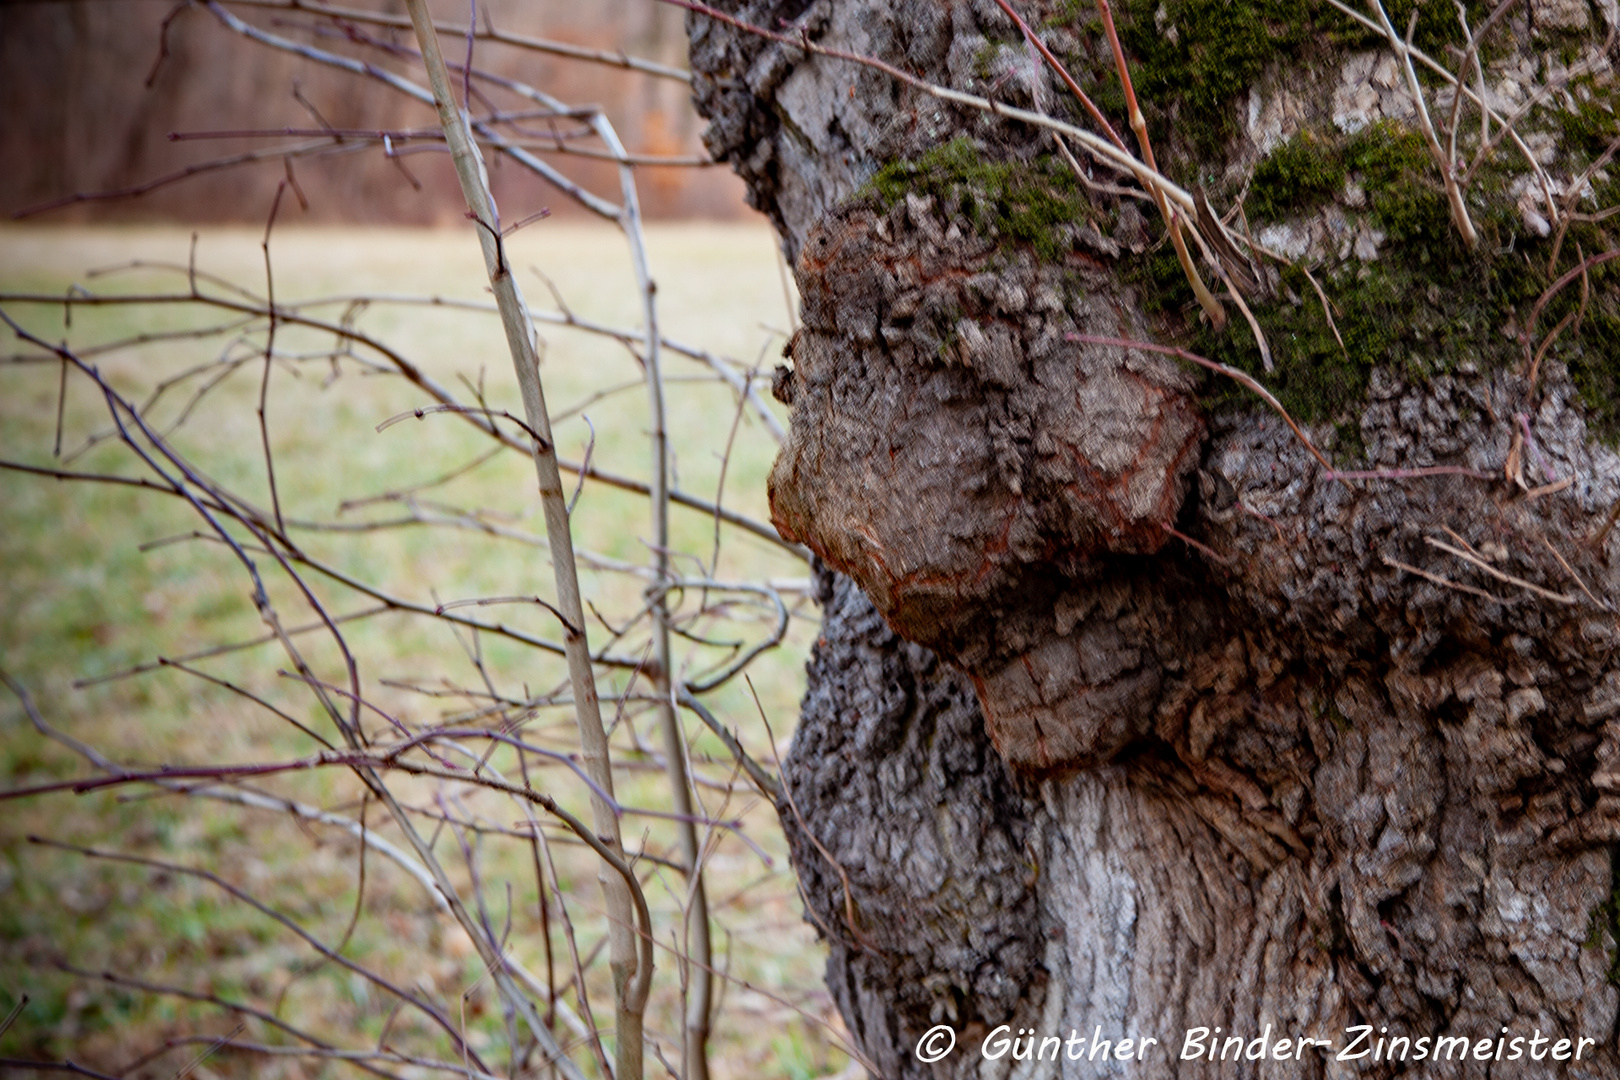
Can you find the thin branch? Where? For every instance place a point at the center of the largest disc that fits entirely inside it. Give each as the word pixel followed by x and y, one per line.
pixel 427 1008
pixel 1478 98
pixel 1470 57
pixel 591 202
pixel 1476 561
pixel 1206 300
pixel 250 157
pixel 1585 265
pixel 632 971
pixel 1444 582
pixel 610 58
pixel 433 388
pixel 1093 144
pixel 1241 377
pixel 1454 197
pixel 1063 73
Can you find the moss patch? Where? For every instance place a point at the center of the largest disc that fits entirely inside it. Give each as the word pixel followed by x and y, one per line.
pixel 1035 204
pixel 1190 65
pixel 1425 306
pixel 1192 61
pixel 1592 125
pixel 1302 173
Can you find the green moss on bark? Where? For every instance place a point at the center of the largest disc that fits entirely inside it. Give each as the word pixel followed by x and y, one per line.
pixel 1603 931
pixel 1037 204
pixel 1193 61
pixel 1425 305
pixel 1591 126
pixel 1302 173
pixel 1190 64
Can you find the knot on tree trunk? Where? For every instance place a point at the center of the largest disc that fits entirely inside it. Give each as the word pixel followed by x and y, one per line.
pixel 978 471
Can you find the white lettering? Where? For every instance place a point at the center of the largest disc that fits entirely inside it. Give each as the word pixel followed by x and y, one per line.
pixel 1445 1044
pixel 1366 1033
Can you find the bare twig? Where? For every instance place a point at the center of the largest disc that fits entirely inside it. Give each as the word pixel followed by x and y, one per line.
pixel 1454 197
pixel 424 1006
pixel 1327 309
pixel 1241 377
pixel 608 57
pixel 1585 265
pixel 1063 73
pixel 1478 98
pixel 433 388
pixel 1206 300
pixel 1475 560
pixel 1196 545
pixel 1445 582
pixel 1471 57
pixel 488 724
pixel 585 198
pixel 325 147
pixel 1570 570
pixel 700 997
pixel 850 921
pixel 16 1011
pixel 632 973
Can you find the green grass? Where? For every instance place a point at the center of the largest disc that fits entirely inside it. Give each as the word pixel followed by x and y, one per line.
pixel 88 589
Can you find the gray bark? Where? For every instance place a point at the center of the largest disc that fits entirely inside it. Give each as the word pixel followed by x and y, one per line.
pixel 1060 771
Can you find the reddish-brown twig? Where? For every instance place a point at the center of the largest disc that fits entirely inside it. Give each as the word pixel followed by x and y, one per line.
pixel 1206 300
pixel 1242 377
pixel 1579 271
pixel 1063 73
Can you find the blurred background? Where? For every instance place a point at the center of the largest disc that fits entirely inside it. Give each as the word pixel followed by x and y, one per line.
pixel 89 98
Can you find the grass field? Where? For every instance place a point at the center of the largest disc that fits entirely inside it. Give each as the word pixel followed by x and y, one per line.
pixel 95 578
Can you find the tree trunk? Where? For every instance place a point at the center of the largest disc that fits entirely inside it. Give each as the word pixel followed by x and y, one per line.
pixel 1129 717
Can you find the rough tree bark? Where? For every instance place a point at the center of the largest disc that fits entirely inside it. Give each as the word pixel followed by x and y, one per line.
pixel 1346 750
